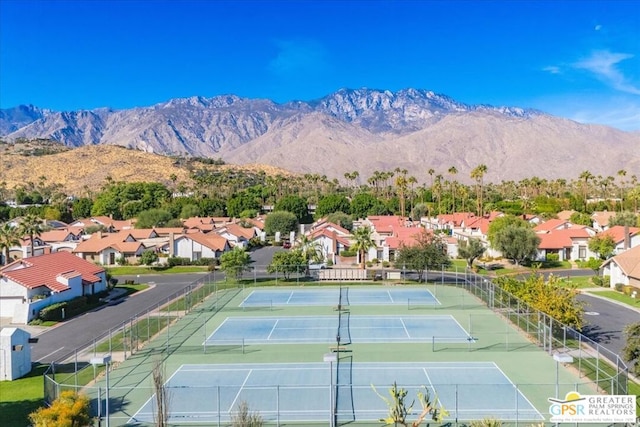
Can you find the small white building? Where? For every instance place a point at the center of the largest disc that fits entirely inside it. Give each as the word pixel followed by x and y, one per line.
pixel 15 354
pixel 28 285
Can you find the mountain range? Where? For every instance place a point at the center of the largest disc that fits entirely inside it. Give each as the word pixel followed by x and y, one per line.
pixel 362 130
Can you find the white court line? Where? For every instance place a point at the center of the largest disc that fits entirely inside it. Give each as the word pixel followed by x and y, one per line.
pixel 289 299
pixel 405 328
pixel 390 297
pixel 240 391
pixel 246 298
pixel 518 390
pixel 273 329
pixel 429 379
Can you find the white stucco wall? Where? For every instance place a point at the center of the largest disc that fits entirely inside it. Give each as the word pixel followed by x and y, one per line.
pixel 15 354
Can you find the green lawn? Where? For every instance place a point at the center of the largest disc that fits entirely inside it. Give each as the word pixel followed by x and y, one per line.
pixel 580 282
pixel 132 289
pixel 21 397
pixel 129 270
pixel 620 297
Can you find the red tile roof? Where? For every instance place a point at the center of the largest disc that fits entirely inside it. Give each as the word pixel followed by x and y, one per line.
pixel 405 236
pixel 552 224
pixel 43 270
pixel 100 241
pixel 560 239
pixel 238 231
pixel 602 217
pixel 385 223
pixel 617 232
pixel 209 240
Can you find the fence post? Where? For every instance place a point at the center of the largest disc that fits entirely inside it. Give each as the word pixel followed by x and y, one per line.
pixel 278 405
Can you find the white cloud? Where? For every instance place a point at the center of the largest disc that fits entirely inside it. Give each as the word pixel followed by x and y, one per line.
pixel 621 112
pixel 553 69
pixel 602 64
pixel 598 27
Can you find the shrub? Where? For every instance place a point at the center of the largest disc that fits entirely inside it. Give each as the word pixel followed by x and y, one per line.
pixel 553 257
pixel 69 409
pixel 174 261
pixel 348 253
pixel 244 418
pixel 619 287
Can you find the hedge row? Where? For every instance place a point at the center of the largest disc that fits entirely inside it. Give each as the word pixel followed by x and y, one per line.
pixel 176 261
pixel 71 308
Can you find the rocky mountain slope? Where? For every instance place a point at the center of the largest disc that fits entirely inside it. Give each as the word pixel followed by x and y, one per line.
pixel 363 130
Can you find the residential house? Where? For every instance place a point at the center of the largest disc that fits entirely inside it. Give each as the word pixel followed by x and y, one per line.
pixel 624 268
pixel 28 285
pixel 565 215
pixel 203 224
pixel 109 248
pixel 570 244
pixel 389 232
pixel 601 220
pixel 331 238
pixel 62 239
pixel 236 234
pixel 623 240
pixel 196 246
pixel 110 225
pixel 552 224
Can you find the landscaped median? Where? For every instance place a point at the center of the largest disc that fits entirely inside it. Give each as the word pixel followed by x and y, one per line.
pixel 618 296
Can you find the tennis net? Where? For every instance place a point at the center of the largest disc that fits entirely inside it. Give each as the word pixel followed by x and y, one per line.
pixel 344 409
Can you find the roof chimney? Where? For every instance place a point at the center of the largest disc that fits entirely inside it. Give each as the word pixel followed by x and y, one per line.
pixel 627 237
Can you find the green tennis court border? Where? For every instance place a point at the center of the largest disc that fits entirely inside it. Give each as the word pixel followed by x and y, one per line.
pixel 524 363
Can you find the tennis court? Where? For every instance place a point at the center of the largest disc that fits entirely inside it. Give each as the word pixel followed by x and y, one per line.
pixel 343 296
pixel 351 328
pixel 299 392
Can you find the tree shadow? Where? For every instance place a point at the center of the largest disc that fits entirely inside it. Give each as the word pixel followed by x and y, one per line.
pixel 596 333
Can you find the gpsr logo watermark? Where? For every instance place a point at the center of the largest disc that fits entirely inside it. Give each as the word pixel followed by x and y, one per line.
pixel 577 408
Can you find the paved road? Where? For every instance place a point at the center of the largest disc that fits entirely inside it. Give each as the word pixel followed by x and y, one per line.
pixel 605 322
pixel 61 341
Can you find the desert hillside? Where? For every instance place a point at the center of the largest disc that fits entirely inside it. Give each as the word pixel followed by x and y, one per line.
pixel 88 168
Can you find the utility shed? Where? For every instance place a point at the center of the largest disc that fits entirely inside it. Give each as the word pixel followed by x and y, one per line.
pixel 15 354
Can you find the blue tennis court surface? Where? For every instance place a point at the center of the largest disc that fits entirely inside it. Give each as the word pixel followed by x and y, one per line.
pixel 331 297
pixel 323 329
pixel 291 392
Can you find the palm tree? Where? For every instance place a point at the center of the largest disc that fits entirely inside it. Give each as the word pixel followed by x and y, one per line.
pixel 478 175
pixel 9 237
pixel 586 176
pixel 438 190
pixel 401 184
pixel 622 174
pixel 363 242
pixel 311 251
pixel 453 171
pixel 31 226
pixel 431 171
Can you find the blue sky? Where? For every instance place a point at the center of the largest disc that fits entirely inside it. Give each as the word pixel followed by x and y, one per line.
pixel 576 59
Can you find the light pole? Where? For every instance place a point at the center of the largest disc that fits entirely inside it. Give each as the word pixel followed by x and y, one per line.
pixel 104 360
pixel 560 358
pixel 331 357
